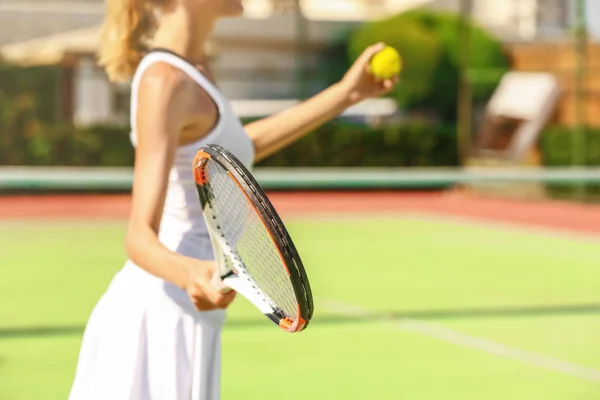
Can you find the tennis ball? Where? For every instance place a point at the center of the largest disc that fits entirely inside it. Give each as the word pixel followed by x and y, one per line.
pixel 386 63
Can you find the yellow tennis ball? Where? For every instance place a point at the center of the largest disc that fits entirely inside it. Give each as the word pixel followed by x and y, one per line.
pixel 386 63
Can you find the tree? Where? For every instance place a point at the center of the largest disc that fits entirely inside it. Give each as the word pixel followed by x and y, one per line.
pixel 430 47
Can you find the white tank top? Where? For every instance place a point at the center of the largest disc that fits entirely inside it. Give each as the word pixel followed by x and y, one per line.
pixel 182 227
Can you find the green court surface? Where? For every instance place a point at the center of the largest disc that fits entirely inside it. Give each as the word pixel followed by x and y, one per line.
pixel 405 308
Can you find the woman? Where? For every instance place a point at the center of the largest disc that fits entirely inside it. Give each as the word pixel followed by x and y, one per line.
pixel 155 333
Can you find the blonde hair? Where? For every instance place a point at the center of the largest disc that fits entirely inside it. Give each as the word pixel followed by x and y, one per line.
pixel 128 26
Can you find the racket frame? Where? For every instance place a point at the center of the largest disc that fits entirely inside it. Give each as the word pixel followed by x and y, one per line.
pixel 278 234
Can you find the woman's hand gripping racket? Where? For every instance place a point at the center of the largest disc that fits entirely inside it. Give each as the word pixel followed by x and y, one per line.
pixel 254 253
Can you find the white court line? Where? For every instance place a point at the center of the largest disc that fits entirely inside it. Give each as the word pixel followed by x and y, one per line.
pixel 468 341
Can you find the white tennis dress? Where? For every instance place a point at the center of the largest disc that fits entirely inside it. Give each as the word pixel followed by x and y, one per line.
pixel 144 339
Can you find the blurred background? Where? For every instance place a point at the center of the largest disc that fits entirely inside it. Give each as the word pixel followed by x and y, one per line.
pixel 450 229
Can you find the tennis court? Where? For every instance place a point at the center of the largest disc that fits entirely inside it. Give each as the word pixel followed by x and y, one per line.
pixel 425 296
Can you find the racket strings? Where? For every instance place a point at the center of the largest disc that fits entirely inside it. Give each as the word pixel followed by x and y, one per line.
pixel 244 231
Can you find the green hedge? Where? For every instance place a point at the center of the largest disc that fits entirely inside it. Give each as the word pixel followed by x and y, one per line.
pixel 35 86
pixel 334 144
pixel 345 145
pixel 64 145
pixel 556 143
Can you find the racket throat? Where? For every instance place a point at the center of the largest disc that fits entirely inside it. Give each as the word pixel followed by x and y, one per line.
pixel 228 274
pixel 276 316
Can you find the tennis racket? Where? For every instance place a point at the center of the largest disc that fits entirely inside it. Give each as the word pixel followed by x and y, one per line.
pixel 254 253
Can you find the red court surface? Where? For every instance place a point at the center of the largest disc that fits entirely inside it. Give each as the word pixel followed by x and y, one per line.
pixel 552 214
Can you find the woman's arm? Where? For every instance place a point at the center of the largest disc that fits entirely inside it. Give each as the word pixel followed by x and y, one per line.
pixel 158 125
pixel 276 132
pixel 157 128
pixel 273 133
